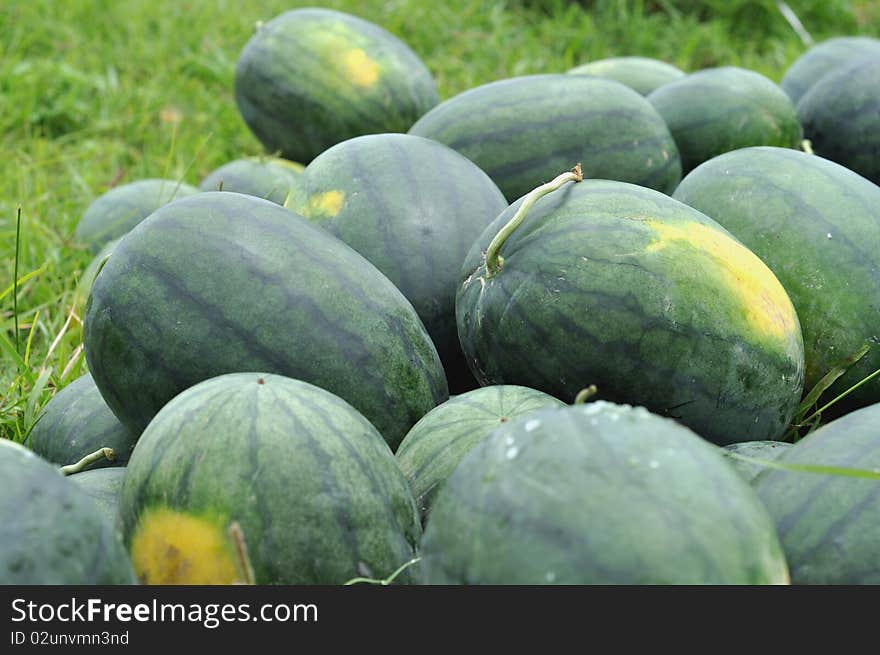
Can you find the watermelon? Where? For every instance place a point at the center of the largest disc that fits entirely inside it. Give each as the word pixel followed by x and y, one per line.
pixel 523 131
pixel 52 532
pixel 272 178
pixel 437 443
pixel 116 212
pixel 829 524
pixel 103 485
pixel 598 494
pixel 223 282
pixel 841 116
pixel 720 109
pixel 641 74
pixel 310 78
pixel 817 226
pixel 77 422
pixel 766 451
pixel 412 207
pixel 616 285
pixel 820 60
pixel 313 488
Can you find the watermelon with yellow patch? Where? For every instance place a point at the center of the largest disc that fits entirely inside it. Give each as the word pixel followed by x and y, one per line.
pixel 620 286
pixel 382 196
pixel 251 477
pixel 310 78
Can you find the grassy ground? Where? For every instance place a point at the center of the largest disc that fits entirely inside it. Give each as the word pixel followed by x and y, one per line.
pixel 96 93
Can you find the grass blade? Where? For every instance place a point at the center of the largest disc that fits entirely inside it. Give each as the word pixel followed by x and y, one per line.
pixel 809 468
pixel 15 277
pixel 830 378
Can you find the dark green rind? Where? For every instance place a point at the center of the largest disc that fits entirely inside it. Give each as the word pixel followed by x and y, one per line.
pixel 315 489
pixel 579 301
pixel 224 282
pixel 51 531
pixel 829 525
pixel 265 177
pixel 784 204
pixel 413 208
pixel 763 450
pixel 437 443
pixel 76 423
pixel 526 130
pixel 641 74
pixel 820 60
pixel 598 494
pixel 115 213
pixel 103 486
pixel 295 98
pixel 841 116
pixel 716 110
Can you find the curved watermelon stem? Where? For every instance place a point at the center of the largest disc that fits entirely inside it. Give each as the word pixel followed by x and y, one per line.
pixel 244 560
pixel 494 261
pixel 98 455
pixel 384 581
pixel 585 394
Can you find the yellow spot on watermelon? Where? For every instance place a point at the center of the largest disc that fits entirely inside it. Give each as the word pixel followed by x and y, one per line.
pixel 326 204
pixel 171 547
pixel 359 68
pixel 765 304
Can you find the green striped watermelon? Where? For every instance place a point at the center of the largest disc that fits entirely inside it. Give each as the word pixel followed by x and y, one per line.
pixel 641 74
pixel 817 226
pixel 313 489
pixel 103 486
pixel 224 282
pixel 841 116
pixel 116 212
pixel 721 109
pixel 523 131
pixel 598 494
pixel 616 285
pixel 820 60
pixel 765 451
pixel 76 423
pixel 436 444
pixel 51 532
pixel 271 178
pixel 412 207
pixel 311 78
pixel 829 524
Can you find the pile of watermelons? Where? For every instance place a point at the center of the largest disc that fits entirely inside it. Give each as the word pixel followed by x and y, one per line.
pixel 496 339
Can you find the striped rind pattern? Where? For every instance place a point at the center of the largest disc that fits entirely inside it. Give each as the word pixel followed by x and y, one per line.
pixel 592 293
pixel 223 282
pixel 816 225
pixel 716 110
pixel 298 100
pixel 313 486
pixel 526 130
pixel 829 524
pixel 569 495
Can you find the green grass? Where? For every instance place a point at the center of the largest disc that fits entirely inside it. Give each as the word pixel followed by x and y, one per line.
pixel 96 93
